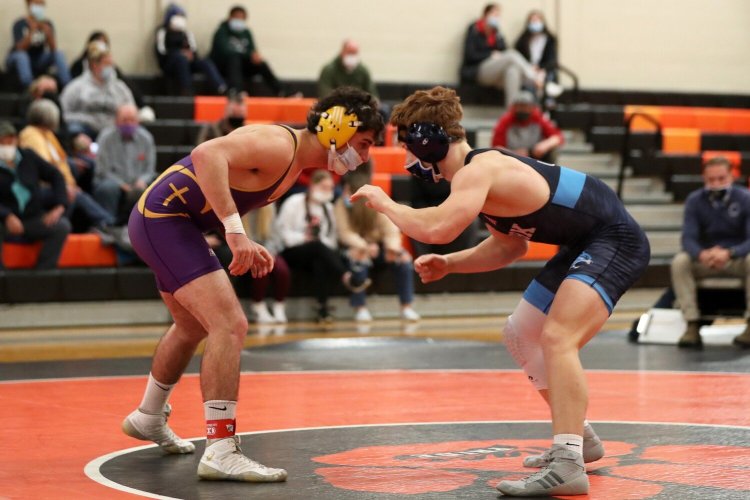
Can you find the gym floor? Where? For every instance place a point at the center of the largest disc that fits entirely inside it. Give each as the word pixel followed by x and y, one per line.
pixel 434 410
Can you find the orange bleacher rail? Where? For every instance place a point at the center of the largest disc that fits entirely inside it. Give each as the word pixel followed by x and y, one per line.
pixel 715 120
pixel 382 180
pixel 80 250
pixel 388 159
pixel 259 109
pixel 540 251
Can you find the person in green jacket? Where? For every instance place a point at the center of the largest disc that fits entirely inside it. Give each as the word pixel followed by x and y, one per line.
pixel 346 70
pixel 234 52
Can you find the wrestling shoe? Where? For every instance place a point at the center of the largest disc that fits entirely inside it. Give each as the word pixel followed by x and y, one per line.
pixel 154 428
pixel 593 450
pixel 565 475
pixel 223 461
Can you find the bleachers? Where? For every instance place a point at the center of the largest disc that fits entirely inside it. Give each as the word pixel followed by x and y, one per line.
pixel 88 269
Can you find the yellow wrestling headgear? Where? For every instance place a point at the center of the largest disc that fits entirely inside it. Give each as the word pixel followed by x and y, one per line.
pixel 336 126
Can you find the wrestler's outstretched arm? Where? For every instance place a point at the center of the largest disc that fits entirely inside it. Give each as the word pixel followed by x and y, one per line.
pixel 496 251
pixel 440 224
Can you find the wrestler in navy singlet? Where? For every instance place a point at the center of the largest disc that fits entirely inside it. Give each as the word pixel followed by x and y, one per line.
pixel 166 226
pixel 600 242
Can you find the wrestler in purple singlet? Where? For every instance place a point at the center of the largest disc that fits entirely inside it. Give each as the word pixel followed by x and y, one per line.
pixel 166 226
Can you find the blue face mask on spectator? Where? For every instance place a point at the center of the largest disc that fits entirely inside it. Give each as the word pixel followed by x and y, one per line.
pixel 108 73
pixel 494 21
pixel 536 26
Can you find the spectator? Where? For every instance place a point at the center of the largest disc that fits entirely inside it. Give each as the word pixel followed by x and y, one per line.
pixel 234 117
pixel 235 54
pixel 524 130
pixel 258 226
pixel 23 215
pixel 80 65
pixel 538 45
pixel 373 240
pixel 488 62
pixel 305 230
pixel 34 48
pixel 177 53
pixel 346 70
pixel 125 164
pixel 39 136
pixel 91 101
pixel 431 194
pixel 715 242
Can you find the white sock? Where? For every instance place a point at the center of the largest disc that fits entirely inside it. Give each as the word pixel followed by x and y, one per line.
pixel 155 397
pixel 572 442
pixel 220 419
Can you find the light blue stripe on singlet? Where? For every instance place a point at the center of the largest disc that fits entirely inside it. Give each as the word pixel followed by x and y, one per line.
pixel 538 296
pixel 596 286
pixel 569 187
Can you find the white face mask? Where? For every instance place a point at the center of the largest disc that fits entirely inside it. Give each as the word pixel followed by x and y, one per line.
pixel 350 61
pixel 178 23
pixel 8 152
pixel 107 74
pixel 494 21
pixel 37 11
pixel 237 25
pixel 345 162
pixel 320 196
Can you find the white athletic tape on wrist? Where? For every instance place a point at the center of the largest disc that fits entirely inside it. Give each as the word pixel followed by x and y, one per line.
pixel 233 224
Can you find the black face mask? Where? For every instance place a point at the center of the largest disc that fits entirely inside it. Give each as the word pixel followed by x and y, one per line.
pixel 522 116
pixel 716 195
pixel 235 121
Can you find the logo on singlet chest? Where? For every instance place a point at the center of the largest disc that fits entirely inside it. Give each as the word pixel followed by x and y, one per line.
pixel 525 233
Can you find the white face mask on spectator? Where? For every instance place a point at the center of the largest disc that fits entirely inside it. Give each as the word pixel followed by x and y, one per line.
pixel 237 25
pixel 37 11
pixel 321 196
pixel 350 61
pixel 178 23
pixel 8 152
pixel 108 73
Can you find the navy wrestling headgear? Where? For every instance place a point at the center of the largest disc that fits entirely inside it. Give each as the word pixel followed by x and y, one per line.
pixel 429 142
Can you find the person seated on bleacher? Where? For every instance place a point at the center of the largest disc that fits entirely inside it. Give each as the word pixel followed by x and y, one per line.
pixel 346 70
pixel 34 49
pixel 539 46
pixel 125 164
pixel 305 231
pixel 25 215
pixel 235 113
pixel 488 62
pixel 234 52
pixel 43 119
pixel 715 242
pixel 177 53
pixel 372 240
pixel 431 194
pixel 258 225
pixel 81 63
pixel 524 130
pixel 90 102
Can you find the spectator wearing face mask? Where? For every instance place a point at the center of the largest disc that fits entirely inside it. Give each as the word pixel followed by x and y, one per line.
pixel 234 52
pixel 90 102
pixel 345 70
pixel 372 240
pixel 305 231
pixel 235 113
pixel 178 56
pixel 34 49
pixel 81 64
pixel 538 45
pixel 25 215
pixel 125 164
pixel 526 131
pixel 43 120
pixel 715 242
pixel 490 63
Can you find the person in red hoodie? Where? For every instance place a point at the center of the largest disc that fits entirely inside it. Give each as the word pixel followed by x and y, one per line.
pixel 526 131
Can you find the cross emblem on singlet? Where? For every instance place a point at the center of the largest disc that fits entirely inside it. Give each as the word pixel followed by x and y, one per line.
pixel 521 232
pixel 176 193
